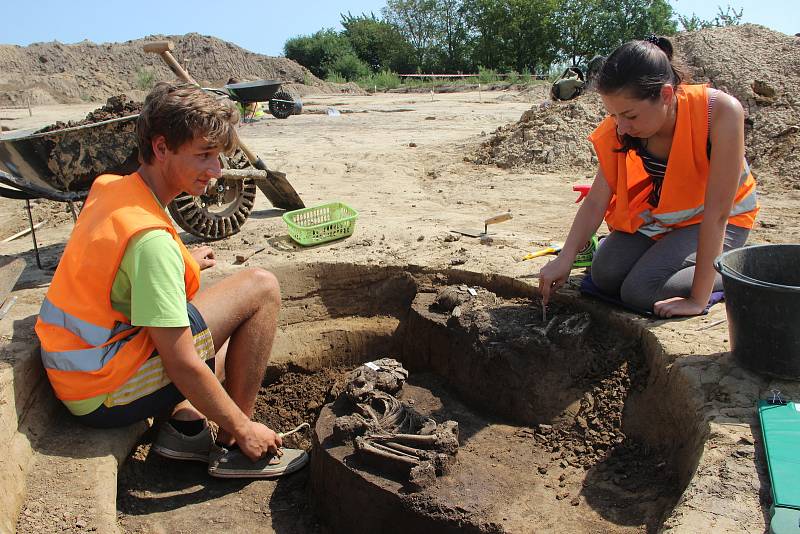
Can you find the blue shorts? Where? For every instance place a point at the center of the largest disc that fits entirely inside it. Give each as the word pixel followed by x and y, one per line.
pixel 150 392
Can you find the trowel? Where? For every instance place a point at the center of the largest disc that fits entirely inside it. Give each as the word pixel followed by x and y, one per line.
pixel 503 217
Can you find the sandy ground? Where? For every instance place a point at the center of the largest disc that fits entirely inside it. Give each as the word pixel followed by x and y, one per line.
pixel 399 161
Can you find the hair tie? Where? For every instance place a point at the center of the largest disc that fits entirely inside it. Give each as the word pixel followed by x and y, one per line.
pixel 653 38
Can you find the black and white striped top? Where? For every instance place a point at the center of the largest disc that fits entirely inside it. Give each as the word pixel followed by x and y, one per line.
pixel 656 168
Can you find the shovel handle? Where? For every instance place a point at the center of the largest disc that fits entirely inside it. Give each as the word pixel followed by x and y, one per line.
pixel 163 48
pixel 503 217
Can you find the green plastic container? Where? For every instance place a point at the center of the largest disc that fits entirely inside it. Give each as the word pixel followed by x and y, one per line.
pixel 320 224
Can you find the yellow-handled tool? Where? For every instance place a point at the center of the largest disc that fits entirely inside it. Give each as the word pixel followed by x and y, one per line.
pixel 553 249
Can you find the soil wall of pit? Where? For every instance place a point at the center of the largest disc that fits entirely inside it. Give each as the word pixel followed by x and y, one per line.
pixel 346 314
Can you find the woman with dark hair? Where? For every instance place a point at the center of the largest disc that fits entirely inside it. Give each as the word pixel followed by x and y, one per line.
pixel 672 183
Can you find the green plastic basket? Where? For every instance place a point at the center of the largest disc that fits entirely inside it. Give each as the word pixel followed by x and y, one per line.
pixel 320 224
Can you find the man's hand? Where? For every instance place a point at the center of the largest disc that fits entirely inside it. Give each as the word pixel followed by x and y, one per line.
pixel 204 256
pixel 677 306
pixel 256 440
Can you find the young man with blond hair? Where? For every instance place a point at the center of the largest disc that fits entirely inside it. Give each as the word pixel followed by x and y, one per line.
pixel 126 331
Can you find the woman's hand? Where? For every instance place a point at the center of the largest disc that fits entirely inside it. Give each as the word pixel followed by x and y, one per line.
pixel 678 306
pixel 204 256
pixel 554 275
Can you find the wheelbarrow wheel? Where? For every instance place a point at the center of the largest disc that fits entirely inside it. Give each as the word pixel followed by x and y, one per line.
pixel 281 105
pixel 222 211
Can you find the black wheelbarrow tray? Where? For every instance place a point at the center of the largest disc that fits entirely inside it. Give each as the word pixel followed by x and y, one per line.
pixel 281 103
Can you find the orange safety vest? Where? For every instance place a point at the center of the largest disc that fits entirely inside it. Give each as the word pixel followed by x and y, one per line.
pixel 89 348
pixel 684 187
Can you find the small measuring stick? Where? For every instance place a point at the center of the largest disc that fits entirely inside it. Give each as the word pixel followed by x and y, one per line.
pixel 544 312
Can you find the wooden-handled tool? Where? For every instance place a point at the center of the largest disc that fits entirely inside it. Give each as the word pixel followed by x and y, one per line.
pixel 163 48
pixel 503 217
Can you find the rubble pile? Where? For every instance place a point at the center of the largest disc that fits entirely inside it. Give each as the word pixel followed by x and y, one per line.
pixel 53 72
pixel 549 137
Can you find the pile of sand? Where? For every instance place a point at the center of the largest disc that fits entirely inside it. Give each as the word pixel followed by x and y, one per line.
pixel 48 73
pixel 758 66
pixel 761 68
pixel 549 137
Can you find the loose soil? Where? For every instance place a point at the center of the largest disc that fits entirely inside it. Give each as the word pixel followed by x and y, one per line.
pixel 152 491
pixel 76 157
pixel 49 73
pixel 115 107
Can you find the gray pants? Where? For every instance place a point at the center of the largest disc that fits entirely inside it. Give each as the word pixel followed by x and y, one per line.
pixel 641 271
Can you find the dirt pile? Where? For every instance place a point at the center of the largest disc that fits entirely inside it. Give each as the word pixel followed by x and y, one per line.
pixel 758 66
pixel 76 156
pixel 761 68
pixel 48 73
pixel 115 107
pixel 549 137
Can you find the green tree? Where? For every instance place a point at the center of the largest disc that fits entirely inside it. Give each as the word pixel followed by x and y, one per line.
pixel 318 51
pixel 626 20
pixel 591 27
pixel 416 21
pixel 514 34
pixel 349 66
pixel 577 29
pixel 453 42
pixel 378 43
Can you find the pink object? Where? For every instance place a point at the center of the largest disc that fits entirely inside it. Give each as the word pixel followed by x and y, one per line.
pixel 583 190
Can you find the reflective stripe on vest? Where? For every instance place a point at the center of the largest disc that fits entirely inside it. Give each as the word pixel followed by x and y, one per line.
pixel 88 348
pixel 103 345
pixel 653 223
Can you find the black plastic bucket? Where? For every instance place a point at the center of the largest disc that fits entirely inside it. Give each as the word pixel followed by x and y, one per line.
pixel 762 295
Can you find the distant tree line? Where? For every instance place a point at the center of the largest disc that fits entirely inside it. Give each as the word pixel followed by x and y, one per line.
pixel 451 36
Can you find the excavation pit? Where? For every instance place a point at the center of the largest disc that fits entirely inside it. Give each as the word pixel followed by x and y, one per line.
pixel 569 425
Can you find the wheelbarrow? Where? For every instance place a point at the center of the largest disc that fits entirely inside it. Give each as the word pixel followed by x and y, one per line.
pixel 281 104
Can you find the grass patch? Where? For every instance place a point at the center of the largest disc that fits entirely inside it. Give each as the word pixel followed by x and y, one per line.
pixel 145 79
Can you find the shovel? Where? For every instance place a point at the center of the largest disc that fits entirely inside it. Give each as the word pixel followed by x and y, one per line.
pixel 491 220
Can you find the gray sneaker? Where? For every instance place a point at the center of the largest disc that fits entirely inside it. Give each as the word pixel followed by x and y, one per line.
pixel 172 444
pixel 224 463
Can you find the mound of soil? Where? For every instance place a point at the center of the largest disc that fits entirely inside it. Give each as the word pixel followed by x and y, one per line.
pixel 761 68
pixel 115 107
pixel 549 137
pixel 48 73
pixel 758 66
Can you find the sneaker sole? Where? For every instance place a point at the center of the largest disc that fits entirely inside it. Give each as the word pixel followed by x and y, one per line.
pixel 178 455
pixel 245 473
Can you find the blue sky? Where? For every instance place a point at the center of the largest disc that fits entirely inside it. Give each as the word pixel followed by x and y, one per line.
pixel 260 26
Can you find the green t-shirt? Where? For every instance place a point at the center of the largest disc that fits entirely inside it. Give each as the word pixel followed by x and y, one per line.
pixel 149 289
